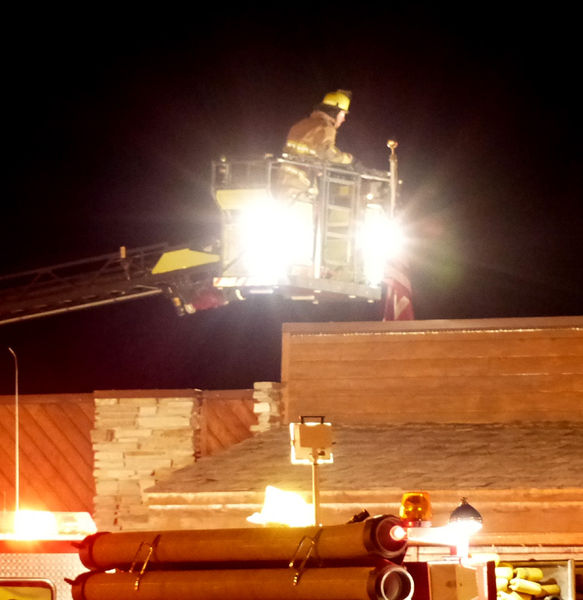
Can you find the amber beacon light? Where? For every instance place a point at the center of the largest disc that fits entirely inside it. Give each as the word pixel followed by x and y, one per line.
pixel 415 509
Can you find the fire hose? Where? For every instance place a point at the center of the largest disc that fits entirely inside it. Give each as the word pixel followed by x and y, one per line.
pixel 375 536
pixel 347 583
pixel 337 562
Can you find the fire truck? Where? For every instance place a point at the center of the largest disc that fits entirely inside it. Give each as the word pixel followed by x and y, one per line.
pixel 295 227
pixel 365 558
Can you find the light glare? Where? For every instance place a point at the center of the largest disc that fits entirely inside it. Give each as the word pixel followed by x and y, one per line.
pixel 35 525
pixel 382 239
pixel 398 533
pixel 276 236
pixel 283 508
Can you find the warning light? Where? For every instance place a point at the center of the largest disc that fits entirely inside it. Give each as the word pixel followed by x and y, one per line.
pixel 415 509
pixel 391 536
pixel 398 533
pixel 464 521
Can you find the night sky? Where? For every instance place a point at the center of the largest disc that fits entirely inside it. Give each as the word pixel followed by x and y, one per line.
pixel 111 122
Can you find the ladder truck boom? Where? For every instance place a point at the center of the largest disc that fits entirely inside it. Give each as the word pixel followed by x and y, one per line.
pixel 102 280
pixel 296 227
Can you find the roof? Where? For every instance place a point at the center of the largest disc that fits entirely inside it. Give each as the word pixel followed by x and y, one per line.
pixel 55 452
pixel 408 456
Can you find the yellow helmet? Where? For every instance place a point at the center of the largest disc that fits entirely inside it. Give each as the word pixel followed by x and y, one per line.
pixel 339 99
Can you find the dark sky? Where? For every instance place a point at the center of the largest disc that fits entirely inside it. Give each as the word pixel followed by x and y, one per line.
pixel 111 122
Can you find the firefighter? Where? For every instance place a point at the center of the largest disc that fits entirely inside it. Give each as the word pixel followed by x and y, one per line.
pixel 314 138
pixel 316 135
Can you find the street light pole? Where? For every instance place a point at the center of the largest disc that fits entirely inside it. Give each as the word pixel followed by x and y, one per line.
pixel 16 434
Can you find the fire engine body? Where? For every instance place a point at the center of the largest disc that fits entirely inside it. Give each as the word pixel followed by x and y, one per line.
pixel 37 569
pixel 39 552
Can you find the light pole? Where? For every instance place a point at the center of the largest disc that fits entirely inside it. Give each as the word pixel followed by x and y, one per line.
pixel 311 444
pixel 16 434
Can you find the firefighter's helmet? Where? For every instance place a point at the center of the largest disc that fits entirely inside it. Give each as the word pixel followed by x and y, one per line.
pixel 339 99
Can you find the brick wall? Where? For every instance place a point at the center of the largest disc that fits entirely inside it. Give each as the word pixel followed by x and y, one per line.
pixel 267 406
pixel 141 437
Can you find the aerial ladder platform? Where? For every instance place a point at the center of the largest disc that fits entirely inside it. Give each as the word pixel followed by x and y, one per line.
pixel 299 228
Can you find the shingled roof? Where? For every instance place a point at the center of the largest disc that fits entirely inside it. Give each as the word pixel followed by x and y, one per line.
pixel 525 478
pixel 408 456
